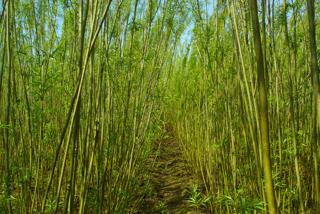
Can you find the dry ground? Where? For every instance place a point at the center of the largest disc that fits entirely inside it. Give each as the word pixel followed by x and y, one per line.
pixel 169 180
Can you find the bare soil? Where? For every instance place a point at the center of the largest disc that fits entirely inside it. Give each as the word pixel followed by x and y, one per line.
pixel 169 180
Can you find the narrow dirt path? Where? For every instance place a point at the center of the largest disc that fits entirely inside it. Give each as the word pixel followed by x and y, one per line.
pixel 169 179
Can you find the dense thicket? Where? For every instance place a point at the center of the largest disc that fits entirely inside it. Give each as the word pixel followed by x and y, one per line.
pixel 79 106
pixel 86 87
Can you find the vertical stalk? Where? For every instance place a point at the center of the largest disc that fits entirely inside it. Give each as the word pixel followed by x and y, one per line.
pixel 263 110
pixel 316 99
pixel 6 140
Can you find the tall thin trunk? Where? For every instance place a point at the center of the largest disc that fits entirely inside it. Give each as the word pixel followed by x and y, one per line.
pixel 263 110
pixel 6 140
pixel 291 107
pixel 316 99
pixel 264 40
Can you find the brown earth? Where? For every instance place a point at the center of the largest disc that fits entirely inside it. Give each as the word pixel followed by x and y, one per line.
pixel 169 180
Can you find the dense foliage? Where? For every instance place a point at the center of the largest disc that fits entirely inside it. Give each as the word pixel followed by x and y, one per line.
pixel 87 87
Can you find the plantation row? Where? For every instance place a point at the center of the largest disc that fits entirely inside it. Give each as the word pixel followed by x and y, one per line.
pixel 88 87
